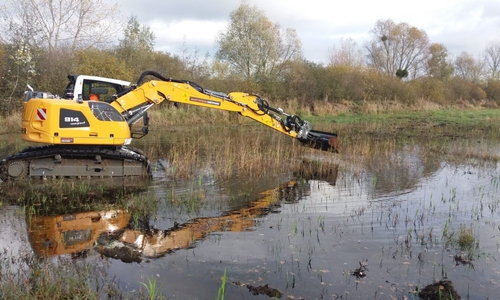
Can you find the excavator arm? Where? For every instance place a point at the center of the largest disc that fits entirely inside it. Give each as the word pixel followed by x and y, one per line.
pixel 134 103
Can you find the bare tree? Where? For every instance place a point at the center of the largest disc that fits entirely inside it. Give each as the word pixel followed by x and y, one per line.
pixel 72 23
pixel 492 59
pixel 348 54
pixel 469 68
pixel 195 67
pixel 397 49
pixel 255 47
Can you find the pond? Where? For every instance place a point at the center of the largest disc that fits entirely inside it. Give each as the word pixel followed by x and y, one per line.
pixel 381 225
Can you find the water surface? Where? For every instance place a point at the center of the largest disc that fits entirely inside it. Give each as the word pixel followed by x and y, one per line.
pixel 381 226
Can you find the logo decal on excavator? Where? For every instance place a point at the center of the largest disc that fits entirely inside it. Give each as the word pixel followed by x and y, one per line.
pixel 41 114
pixel 194 99
pixel 72 118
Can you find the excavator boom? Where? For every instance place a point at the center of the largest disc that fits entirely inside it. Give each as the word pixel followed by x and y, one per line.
pixel 90 138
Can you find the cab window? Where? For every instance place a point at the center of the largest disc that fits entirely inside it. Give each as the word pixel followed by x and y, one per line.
pixel 100 91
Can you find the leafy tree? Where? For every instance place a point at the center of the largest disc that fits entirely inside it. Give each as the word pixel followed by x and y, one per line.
pixel 256 48
pixel 397 47
pixel 137 37
pixel 437 64
pixel 136 47
pixel 467 67
pixel 492 59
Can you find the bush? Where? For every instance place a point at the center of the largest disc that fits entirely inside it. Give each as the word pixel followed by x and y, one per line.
pixel 388 88
pixel 462 89
pixel 433 89
pixel 352 81
pixel 493 90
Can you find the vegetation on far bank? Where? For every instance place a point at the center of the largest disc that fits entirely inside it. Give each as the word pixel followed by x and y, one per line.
pixel 466 114
pixel 399 65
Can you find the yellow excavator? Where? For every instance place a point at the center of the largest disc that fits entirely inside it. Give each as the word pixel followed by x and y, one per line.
pixel 87 131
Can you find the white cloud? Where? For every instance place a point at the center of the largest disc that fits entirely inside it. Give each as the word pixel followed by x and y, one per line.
pixel 190 33
pixel 462 25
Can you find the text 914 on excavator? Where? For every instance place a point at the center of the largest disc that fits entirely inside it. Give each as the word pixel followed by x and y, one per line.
pixel 86 132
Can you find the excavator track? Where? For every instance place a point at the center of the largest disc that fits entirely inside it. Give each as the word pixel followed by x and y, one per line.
pixel 56 161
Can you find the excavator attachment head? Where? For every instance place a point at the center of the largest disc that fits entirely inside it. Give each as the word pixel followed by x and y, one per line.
pixel 320 140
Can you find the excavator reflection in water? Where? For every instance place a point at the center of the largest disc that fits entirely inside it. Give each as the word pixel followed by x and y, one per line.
pixel 112 234
pixel 73 233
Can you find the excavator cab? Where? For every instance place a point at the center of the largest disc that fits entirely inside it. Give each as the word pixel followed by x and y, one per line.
pixel 83 86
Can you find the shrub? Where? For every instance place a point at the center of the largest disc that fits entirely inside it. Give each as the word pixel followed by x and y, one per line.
pixel 493 90
pixel 434 90
pixel 462 89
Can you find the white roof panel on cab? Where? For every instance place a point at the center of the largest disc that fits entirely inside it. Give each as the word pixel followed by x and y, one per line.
pixel 97 78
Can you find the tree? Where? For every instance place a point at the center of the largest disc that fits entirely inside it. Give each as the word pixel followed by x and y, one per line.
pixel 137 44
pixel 194 66
pixel 137 37
pixel 437 65
pixel 19 49
pixel 492 59
pixel 72 23
pixel 348 54
pixel 397 47
pixel 255 47
pixel 468 68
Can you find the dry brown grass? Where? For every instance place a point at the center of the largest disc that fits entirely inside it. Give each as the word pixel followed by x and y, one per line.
pixel 11 123
pixel 423 104
pixel 226 151
pixel 169 115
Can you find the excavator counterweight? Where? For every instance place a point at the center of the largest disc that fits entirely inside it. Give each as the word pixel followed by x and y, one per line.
pixel 88 138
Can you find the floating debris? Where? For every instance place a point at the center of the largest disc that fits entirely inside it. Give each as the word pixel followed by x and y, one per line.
pixel 261 290
pixel 361 271
pixel 441 290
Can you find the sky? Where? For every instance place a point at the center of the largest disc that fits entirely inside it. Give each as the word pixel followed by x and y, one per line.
pixel 194 25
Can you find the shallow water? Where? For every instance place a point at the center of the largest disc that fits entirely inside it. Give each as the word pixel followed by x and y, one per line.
pixel 381 227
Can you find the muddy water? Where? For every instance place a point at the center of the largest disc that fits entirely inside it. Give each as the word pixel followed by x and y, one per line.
pixel 379 227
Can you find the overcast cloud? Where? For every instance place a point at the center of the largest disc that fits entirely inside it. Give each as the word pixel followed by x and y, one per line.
pixel 461 25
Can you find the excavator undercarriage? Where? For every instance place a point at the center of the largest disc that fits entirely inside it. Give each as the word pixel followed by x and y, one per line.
pixel 56 161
